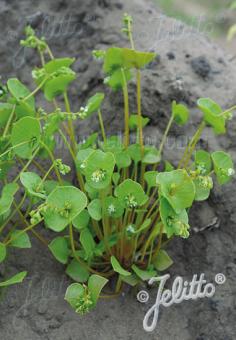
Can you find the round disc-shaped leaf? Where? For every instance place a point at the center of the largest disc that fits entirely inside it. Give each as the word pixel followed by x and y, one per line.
pixel 178 188
pixel 63 205
pixel 77 272
pixel 212 114
pixel 82 220
pixel 112 207
pixel 99 169
pixel 60 250
pixel 25 136
pixel 131 194
pixel 223 166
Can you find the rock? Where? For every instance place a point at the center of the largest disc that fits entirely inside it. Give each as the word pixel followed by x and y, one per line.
pixel 201 66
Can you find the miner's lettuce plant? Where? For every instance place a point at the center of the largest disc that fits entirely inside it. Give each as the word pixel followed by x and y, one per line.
pixel 127 202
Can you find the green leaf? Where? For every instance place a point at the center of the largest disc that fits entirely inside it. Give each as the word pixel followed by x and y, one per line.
pixel 33 183
pixel 95 286
pixel 3 252
pixel 24 109
pixel 134 121
pixel 81 221
pixel 55 64
pixel 87 241
pixel 60 250
pixel 81 159
pixel 151 178
pixel 131 280
pixel 123 159
pixel 18 278
pixel 25 132
pixel 20 91
pixel 112 207
pixel 20 240
pixel 116 178
pixel 144 226
pixel 5 112
pixel 223 166
pixel 212 114
pixel 118 79
pixel 174 223
pixel 77 272
pixel 178 188
pixel 144 274
pixel 131 194
pixel 58 85
pixel 118 268
pixel 64 204
pixel 203 162
pixel 99 169
pixel 135 153
pixel 180 113
pixel 93 105
pixel 73 293
pixel 95 209
pixel 8 192
pixel 162 261
pixel 151 155
pixel 116 58
pixel 201 193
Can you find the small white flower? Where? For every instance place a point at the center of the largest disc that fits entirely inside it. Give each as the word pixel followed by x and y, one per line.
pixel 230 172
pixel 130 229
pixel 131 202
pixel 111 209
pixel 98 176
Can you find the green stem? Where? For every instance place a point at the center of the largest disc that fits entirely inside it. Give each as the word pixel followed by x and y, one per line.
pixel 140 127
pixel 35 90
pixel 26 165
pixel 9 121
pixel 166 134
pixel 126 109
pixel 102 125
pixel 53 161
pixel 70 124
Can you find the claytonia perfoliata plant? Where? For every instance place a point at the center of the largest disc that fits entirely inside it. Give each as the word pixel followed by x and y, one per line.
pixel 126 202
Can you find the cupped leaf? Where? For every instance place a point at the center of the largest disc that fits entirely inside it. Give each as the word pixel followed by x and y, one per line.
pixel 212 114
pixel 118 268
pixel 174 223
pixel 3 252
pixel 18 278
pixel 63 205
pixel 33 183
pixel 5 112
pixel 123 159
pixel 20 91
pixel 8 192
pixel 134 121
pixel 131 194
pixel 135 152
pixel 180 113
pixel 118 79
pixel 95 209
pixel 202 192
pixel 20 240
pixel 95 286
pixel 99 169
pixel 60 250
pixel 25 136
pixel 58 85
pixel 73 294
pixel 77 272
pixel 178 188
pixel 151 178
pixel 116 58
pixel 203 162
pixel 92 106
pixel 112 207
pixel 151 155
pixel 81 221
pixel 223 166
pixel 162 261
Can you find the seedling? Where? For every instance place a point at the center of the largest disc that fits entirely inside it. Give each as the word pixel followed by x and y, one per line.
pixel 127 203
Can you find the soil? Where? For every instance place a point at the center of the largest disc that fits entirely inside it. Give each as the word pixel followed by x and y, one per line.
pixel 188 66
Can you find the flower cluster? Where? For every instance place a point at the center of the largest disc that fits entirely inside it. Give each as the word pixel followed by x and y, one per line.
pixel 63 168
